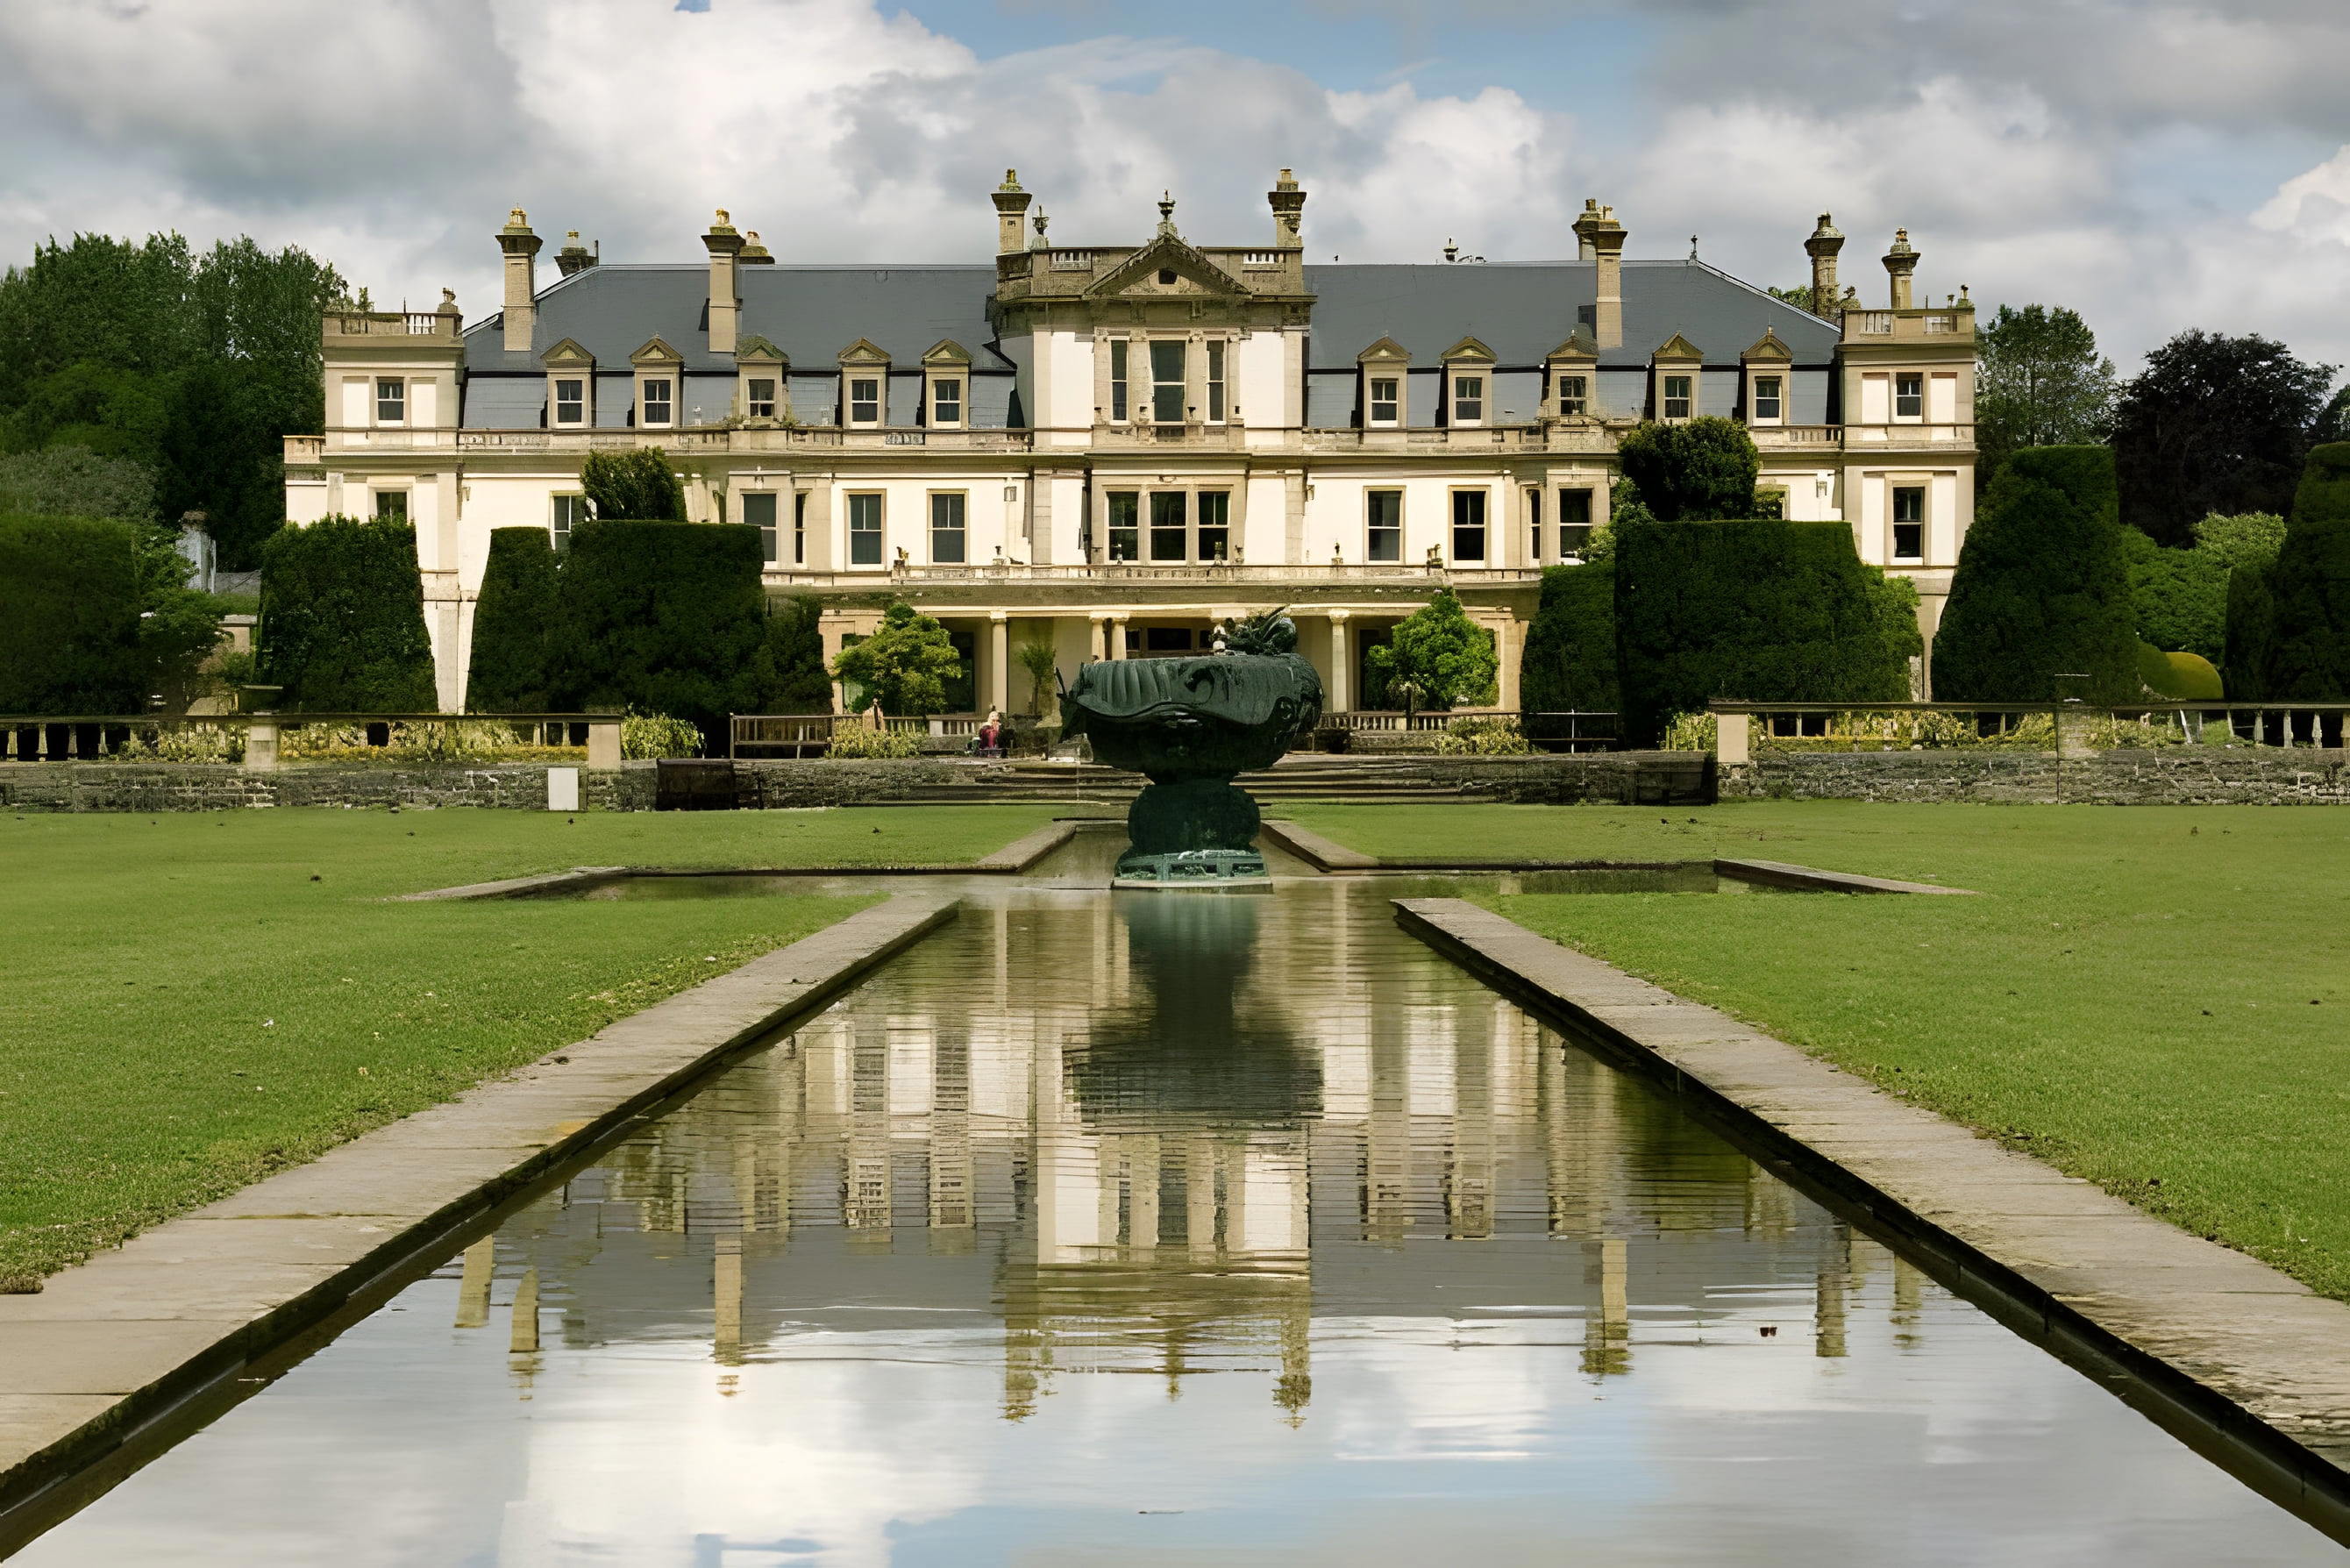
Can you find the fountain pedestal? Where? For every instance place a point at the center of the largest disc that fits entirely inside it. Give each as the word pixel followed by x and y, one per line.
pixel 1190 830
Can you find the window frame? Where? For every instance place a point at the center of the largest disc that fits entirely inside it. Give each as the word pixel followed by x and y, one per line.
pixel 1391 527
pixel 1577 403
pixel 1219 503
pixel 1122 540
pixel 668 402
pixel 1768 405
pixel 1466 400
pixel 1393 402
pixel 850 402
pixel 1686 397
pixel 577 402
pixel 755 502
pixel 566 511
pixel 958 503
pixel 1163 502
pixel 391 506
pixel 1914 524
pixel 860 506
pixel 1216 353
pixel 1533 498
pixel 1575 519
pixel 754 406
pixel 937 403
pixel 1178 351
pixel 1121 366
pixel 1475 499
pixel 391 391
pixel 1908 397
pixel 799 527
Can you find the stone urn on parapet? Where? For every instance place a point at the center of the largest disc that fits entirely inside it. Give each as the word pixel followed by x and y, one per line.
pixel 1190 725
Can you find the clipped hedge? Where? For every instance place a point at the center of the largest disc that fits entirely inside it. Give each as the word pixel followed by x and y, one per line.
pixel 342 618
pixel 1569 664
pixel 513 625
pixel 2042 589
pixel 2179 676
pixel 1698 472
pixel 1761 610
pixel 2308 656
pixel 69 617
pixel 664 618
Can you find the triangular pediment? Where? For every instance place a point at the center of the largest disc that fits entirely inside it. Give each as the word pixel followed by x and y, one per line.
pixel 755 349
pixel 1679 347
pixel 1140 273
pixel 1386 349
pixel 1469 349
pixel 566 353
pixel 863 352
pixel 1770 347
pixel 946 351
pixel 656 352
pixel 1578 345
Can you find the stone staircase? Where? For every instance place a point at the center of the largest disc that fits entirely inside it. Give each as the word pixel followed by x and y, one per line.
pixel 1301 777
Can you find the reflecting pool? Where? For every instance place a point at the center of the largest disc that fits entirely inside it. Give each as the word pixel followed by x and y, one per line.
pixel 1161 1228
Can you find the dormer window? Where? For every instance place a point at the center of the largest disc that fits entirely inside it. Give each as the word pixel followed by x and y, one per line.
pixel 1468 400
pixel 865 399
pixel 656 404
pixel 946 400
pixel 1386 405
pixel 760 403
pixel 391 400
pixel 570 400
pixel 1767 400
pixel 1574 395
pixel 1910 396
pixel 1676 396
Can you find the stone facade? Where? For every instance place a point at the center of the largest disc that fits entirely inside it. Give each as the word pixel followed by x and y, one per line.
pixel 1109 447
pixel 2185 776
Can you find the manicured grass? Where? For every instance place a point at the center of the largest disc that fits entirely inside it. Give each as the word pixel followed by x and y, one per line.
pixel 193 1000
pixel 2132 1001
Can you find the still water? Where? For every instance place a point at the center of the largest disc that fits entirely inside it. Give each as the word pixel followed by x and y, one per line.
pixel 1176 1227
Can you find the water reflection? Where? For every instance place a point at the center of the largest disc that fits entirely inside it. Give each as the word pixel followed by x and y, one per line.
pixel 1159 1228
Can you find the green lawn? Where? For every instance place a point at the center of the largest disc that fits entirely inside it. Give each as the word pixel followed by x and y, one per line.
pixel 2132 1002
pixel 193 1000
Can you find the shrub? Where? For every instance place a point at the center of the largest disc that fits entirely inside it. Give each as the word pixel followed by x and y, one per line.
pixel 637 485
pixel 1483 737
pixel 2308 660
pixel 74 482
pixel 1763 610
pixel 2178 599
pixel 795 647
pixel 342 618
pixel 1702 470
pixel 860 741
pixel 425 740
pixel 2177 677
pixel 904 665
pixel 514 624
pixel 1441 651
pixel 2041 588
pixel 663 618
pixel 70 632
pixel 1041 663
pixel 646 737
pixel 1569 665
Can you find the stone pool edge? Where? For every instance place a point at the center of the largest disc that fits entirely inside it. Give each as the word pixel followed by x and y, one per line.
pixel 2232 1353
pixel 112 1345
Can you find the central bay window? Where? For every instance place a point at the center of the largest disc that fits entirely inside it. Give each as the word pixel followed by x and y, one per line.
pixel 1215 525
pixel 865 399
pixel 1574 395
pixel 1170 523
pixel 656 405
pixel 1385 521
pixel 570 400
pixel 1386 401
pixel 1469 526
pixel 1118 348
pixel 1166 381
pixel 1215 382
pixel 1677 398
pixel 759 512
pixel 570 511
pixel 865 530
pixel 1767 399
pixel 1468 400
pixel 1574 521
pixel 391 400
pixel 1125 525
pixel 1909 522
pixel 760 402
pixel 946 547
pixel 1910 396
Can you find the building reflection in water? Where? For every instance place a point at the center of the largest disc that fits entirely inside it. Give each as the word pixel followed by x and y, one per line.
pixel 1150 1120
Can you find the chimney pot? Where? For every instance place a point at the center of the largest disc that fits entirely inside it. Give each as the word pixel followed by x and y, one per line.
pixel 723 243
pixel 1600 238
pixel 1902 267
pixel 1288 204
pixel 1011 204
pixel 1822 247
pixel 520 247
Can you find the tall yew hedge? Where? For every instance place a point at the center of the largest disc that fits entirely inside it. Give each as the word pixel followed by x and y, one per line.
pixel 2042 589
pixel 513 625
pixel 2308 656
pixel 342 618
pixel 69 617
pixel 1569 664
pixel 1760 610
pixel 666 617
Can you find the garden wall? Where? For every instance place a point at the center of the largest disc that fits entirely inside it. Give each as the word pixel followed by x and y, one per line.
pixel 220 786
pixel 2187 776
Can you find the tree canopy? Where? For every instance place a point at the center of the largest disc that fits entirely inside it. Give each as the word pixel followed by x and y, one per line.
pixel 2213 424
pixel 1447 656
pixel 2039 382
pixel 636 485
pixel 904 664
pixel 2309 587
pixel 1695 471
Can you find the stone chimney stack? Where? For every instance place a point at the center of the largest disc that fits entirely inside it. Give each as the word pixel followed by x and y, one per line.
pixel 755 254
pixel 521 248
pixel 1288 211
pixel 1600 238
pixel 1010 206
pixel 573 257
pixel 1901 262
pixel 1822 247
pixel 724 242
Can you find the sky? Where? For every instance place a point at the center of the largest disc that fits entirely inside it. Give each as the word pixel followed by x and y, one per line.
pixel 2154 164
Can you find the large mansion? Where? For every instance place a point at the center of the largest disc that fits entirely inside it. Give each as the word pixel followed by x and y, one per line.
pixel 1112 447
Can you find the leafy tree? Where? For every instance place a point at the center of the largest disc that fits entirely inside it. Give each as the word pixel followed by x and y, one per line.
pixel 1043 664
pixel 1894 602
pixel 795 649
pixel 2333 424
pixel 1692 472
pixel 2178 599
pixel 2039 382
pixel 115 413
pixel 1569 665
pixel 1442 651
pixel 513 625
pixel 74 482
pixel 905 664
pixel 2308 659
pixel 342 618
pixel 1758 610
pixel 2042 589
pixel 636 484
pixel 2250 538
pixel 1800 296
pixel 2213 424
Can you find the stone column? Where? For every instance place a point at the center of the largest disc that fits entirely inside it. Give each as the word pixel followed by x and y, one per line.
pixel 999 661
pixel 1097 638
pixel 261 743
pixel 1339 696
pixel 1117 636
pixel 1732 738
pixel 604 741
